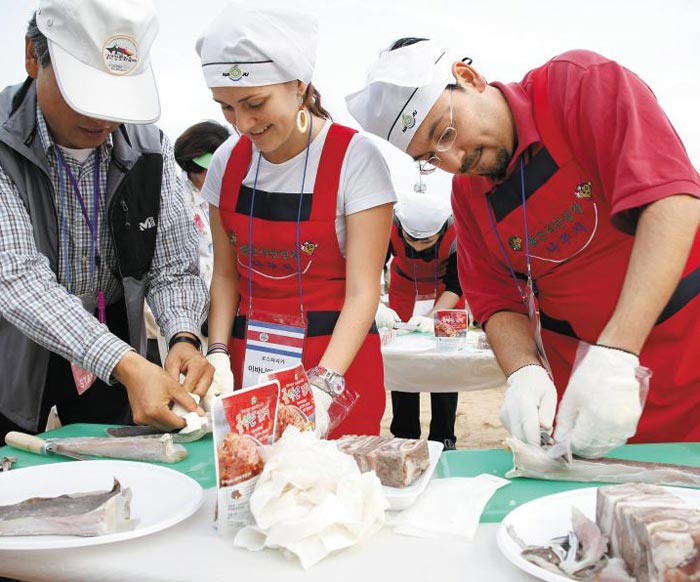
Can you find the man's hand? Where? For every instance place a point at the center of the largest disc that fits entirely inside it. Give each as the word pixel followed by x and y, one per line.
pixel 184 358
pixel 601 406
pixel 151 392
pixel 529 403
pixel 425 324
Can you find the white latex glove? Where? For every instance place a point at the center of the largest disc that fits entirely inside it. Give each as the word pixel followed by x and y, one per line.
pixel 386 317
pixel 425 324
pixel 601 407
pixel 222 383
pixel 322 402
pixel 529 403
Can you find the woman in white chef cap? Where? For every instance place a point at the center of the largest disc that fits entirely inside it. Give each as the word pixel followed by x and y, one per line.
pixel 423 278
pixel 301 214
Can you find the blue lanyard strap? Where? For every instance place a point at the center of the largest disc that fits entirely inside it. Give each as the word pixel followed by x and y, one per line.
pixel 92 223
pixel 492 220
pixel 298 226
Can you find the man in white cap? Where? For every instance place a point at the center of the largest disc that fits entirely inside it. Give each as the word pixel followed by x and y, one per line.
pixel 571 187
pixel 424 278
pixel 92 221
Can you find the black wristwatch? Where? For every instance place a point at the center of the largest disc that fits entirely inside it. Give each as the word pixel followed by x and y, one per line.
pixel 188 339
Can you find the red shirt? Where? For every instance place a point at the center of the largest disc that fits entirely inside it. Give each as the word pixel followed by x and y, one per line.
pixel 618 133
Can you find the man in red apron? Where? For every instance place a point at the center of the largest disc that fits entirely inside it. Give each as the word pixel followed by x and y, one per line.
pixel 423 278
pixel 575 198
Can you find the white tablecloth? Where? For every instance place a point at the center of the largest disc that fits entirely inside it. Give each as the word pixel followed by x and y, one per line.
pixel 192 551
pixel 413 364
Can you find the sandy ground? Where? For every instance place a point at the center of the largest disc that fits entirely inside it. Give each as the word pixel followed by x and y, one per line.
pixel 477 425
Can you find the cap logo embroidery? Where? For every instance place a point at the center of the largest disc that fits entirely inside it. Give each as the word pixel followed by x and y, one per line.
pixel 235 73
pixel 120 55
pixel 408 120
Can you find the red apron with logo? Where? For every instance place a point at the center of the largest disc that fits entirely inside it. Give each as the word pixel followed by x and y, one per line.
pixel 411 277
pixel 275 282
pixel 579 260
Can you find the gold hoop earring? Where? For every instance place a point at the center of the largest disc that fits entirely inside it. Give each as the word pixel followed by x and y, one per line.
pixel 302 120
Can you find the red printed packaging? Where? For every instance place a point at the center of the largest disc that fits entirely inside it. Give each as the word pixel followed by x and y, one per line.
pixel 451 328
pixel 243 422
pixel 296 406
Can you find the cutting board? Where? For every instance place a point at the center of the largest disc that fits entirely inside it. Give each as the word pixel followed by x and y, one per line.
pixel 521 490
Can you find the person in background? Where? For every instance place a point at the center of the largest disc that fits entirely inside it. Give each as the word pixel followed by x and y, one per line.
pixel 424 278
pixel 193 151
pixel 300 214
pixel 92 221
pixel 577 209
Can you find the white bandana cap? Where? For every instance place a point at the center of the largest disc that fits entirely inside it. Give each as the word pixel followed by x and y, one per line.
pixel 251 47
pixel 401 87
pixel 422 215
pixel 100 53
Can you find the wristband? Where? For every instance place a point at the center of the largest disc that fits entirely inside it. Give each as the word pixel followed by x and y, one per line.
pixel 218 348
pixel 184 338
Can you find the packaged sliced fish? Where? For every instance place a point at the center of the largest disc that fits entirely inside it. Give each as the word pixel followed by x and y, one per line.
pixel 79 514
pixel 533 461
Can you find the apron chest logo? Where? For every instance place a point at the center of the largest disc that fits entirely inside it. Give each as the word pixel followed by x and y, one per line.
pixel 583 191
pixel 515 243
pixel 309 248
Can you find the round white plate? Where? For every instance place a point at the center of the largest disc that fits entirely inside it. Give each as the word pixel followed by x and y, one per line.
pixel 543 519
pixel 161 497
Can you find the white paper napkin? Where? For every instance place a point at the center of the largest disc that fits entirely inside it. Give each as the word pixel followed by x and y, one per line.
pixel 448 507
pixel 311 500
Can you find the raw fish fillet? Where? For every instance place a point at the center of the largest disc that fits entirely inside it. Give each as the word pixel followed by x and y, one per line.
pixel 80 514
pixel 157 448
pixel 534 462
pixel 656 533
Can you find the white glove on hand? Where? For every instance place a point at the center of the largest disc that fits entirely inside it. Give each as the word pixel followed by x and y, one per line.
pixel 223 382
pixel 601 407
pixel 425 324
pixel 322 402
pixel 529 403
pixel 386 317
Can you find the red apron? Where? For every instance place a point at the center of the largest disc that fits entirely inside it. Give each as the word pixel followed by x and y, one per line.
pixel 411 277
pixel 275 284
pixel 579 260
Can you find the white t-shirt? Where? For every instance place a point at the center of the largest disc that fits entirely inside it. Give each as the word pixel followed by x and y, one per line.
pixel 365 181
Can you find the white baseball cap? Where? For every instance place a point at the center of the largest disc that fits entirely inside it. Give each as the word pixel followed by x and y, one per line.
pixel 422 215
pixel 100 52
pixel 401 87
pixel 252 47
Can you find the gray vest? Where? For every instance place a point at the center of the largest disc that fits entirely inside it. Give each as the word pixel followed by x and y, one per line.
pixel 133 194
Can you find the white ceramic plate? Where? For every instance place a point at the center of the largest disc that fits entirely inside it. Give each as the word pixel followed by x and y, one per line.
pixel 161 497
pixel 402 497
pixel 543 519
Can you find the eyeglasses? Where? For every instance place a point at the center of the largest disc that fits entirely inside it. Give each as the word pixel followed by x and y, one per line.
pixel 447 138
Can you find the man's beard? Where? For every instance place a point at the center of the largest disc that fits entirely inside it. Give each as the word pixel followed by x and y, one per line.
pixel 496 172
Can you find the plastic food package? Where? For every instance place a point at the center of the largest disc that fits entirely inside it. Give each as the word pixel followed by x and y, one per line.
pixel 451 327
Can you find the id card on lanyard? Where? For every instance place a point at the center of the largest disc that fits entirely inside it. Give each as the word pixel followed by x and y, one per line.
pixel 424 303
pixel 527 295
pixel 273 340
pixel 83 379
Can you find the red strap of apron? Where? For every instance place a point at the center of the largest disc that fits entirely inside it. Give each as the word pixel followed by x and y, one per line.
pixel 556 142
pixel 328 174
pixel 236 169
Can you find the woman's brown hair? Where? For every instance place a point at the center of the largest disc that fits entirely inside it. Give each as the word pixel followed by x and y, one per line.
pixel 312 101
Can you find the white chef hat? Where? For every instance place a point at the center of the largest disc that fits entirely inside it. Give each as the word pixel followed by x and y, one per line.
pixel 100 53
pixel 401 87
pixel 422 215
pixel 251 47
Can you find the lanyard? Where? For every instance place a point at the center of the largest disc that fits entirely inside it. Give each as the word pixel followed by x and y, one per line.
pixel 527 241
pixel 92 223
pixel 435 274
pixel 298 227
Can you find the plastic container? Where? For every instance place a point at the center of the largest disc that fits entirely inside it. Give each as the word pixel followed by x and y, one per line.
pixel 451 327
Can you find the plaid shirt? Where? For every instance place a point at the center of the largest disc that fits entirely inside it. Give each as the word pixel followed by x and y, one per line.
pixel 39 303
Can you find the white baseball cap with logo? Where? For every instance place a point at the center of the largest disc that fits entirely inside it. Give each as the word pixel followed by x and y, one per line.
pixel 401 88
pixel 422 215
pixel 100 53
pixel 252 47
